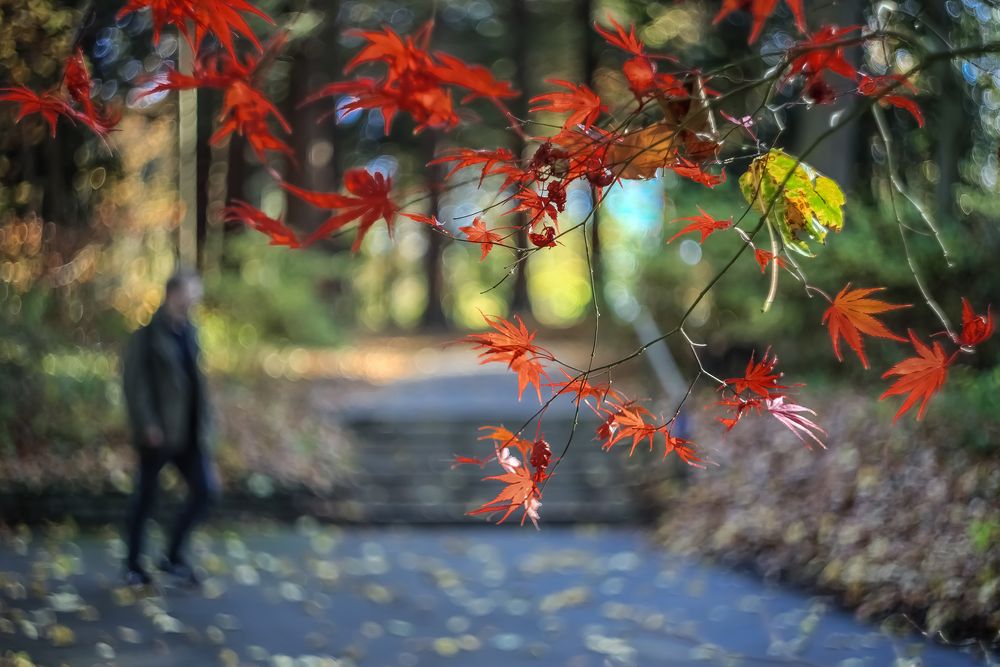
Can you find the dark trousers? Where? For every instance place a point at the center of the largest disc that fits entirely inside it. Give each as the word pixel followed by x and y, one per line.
pixel 196 468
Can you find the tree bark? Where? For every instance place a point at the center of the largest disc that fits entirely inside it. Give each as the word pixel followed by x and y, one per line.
pixel 520 299
pixel 433 317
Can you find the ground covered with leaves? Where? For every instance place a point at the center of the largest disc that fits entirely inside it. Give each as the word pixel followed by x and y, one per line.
pixel 891 519
pixel 310 595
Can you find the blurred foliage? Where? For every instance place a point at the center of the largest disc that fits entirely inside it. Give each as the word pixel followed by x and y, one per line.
pixel 271 295
pixel 885 525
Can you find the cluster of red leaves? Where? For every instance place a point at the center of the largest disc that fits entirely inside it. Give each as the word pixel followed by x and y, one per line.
pixel 852 313
pixel 760 10
pixel 923 375
pixel 623 420
pixel 416 81
pixel 246 110
pixel 822 52
pixel 582 151
pixel 629 422
pixel 513 344
pixel 70 99
pixel 197 19
pixel 522 487
pixel 758 391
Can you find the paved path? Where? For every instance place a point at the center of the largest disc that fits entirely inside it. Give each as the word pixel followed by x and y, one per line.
pixel 307 596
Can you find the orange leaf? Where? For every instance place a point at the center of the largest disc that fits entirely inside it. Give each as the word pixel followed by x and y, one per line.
pixel 504 437
pixel 920 376
pixel 520 490
pixel 583 104
pixel 499 161
pixel 513 344
pixel 851 315
pixel 477 233
pixel 764 258
pixel 639 154
pixel 371 202
pixel 243 212
pixel 703 223
pixel 759 378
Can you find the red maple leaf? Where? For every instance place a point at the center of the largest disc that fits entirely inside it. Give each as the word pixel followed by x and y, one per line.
pixel 583 104
pixel 760 10
pixel 764 258
pixel 521 490
pixel 629 420
pixel 975 328
pixel 818 54
pixel 514 345
pixel 920 376
pixel 626 41
pixel 704 223
pixel 469 461
pixel 790 415
pixel 544 239
pixel 503 437
pixel 478 80
pixel 429 220
pixel 477 233
pixel 48 105
pixel 852 314
pixel 75 90
pixel 499 161
pixel 370 202
pixel 196 19
pixel 582 390
pixel 738 407
pixel 281 235
pixel 640 69
pixel 415 82
pixel 688 169
pixel 881 87
pixel 759 378
pixel 245 111
pixel 537 205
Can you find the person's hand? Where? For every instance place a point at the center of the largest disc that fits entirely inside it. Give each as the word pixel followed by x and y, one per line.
pixel 154 436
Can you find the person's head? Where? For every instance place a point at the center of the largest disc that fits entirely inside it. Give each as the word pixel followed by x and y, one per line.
pixel 183 291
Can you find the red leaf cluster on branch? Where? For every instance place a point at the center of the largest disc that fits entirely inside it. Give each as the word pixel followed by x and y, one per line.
pixel 71 99
pixel 416 81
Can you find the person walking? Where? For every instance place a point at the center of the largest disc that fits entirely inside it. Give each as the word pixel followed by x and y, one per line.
pixel 168 408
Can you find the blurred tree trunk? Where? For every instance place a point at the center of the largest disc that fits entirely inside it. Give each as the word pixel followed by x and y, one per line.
pixel 519 21
pixel 588 59
pixel 433 317
pixel 58 199
pixel 304 173
pixel 203 157
pixel 839 155
pixel 952 134
pixel 236 173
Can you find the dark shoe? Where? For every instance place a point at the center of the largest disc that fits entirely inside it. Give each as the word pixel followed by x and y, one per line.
pixel 182 572
pixel 136 577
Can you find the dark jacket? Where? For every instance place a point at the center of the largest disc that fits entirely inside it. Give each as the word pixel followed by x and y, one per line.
pixel 160 390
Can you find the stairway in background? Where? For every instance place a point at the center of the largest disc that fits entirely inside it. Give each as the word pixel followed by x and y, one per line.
pixel 407 434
